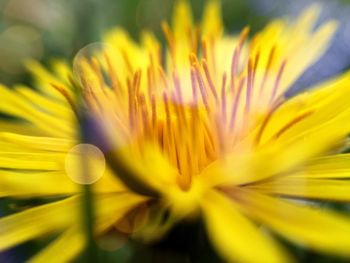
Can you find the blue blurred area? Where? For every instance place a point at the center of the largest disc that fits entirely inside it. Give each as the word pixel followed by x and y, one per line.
pixel 337 58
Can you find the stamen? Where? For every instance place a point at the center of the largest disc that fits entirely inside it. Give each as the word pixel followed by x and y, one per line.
pixel 116 85
pixel 194 86
pixel 277 82
pixel 164 77
pixel 220 135
pixel 223 98
pixel 67 97
pixel 137 81
pixel 169 146
pixel 208 50
pixel 205 49
pixel 202 89
pixel 154 117
pixel 294 121
pixel 178 99
pixel 243 35
pixel 131 100
pixel 95 65
pixel 150 85
pixel 251 80
pixel 267 119
pixel 126 60
pixel 234 62
pixel 209 79
pixel 249 86
pixel 167 110
pixel 177 86
pixel 236 56
pixel 236 103
pixel 209 143
pixel 144 113
pixel 195 140
pixel 267 68
pixel 193 59
pixel 168 34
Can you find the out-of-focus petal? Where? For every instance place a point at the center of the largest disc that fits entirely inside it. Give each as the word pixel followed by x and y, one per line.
pixel 234 236
pixel 308 226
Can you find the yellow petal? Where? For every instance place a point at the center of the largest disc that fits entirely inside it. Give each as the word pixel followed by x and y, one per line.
pixel 59 109
pixel 32 160
pixel 59 215
pixel 143 171
pixel 126 53
pixel 61 69
pixel 19 128
pixel 24 184
pixel 296 44
pixel 44 80
pixel 309 110
pixel 212 25
pixel 110 208
pixel 39 143
pixel 327 167
pixel 308 188
pixel 14 104
pixel 182 18
pixel 63 249
pixel 23 226
pixel 309 226
pixel 290 140
pixel 316 105
pixel 234 236
pixel 305 126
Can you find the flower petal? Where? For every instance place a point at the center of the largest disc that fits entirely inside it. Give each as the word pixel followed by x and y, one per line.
pixel 16 105
pixel 212 25
pixel 52 183
pixel 32 160
pixel 23 226
pixel 59 215
pixel 63 249
pixel 19 128
pixel 326 167
pixel 35 184
pixel 39 142
pixel 287 141
pixel 109 209
pixel 47 104
pixel 308 111
pixel 309 188
pixel 146 172
pixel 44 79
pixel 234 236
pixel 311 227
pixel 296 44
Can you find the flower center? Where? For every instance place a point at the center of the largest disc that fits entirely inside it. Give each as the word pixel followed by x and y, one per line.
pixel 191 113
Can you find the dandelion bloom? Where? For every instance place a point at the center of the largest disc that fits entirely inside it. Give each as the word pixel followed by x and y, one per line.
pixel 203 130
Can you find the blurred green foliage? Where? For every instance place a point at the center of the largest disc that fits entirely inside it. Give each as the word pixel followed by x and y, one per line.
pixel 42 29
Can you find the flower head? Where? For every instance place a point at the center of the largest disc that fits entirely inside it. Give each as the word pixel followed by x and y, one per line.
pixel 202 130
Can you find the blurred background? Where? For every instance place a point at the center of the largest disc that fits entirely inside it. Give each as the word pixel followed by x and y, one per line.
pixel 43 29
pixel 46 29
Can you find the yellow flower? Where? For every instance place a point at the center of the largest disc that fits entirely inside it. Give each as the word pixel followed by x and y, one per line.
pixel 204 130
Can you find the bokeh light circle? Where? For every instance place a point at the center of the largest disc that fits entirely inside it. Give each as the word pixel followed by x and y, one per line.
pixel 85 164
